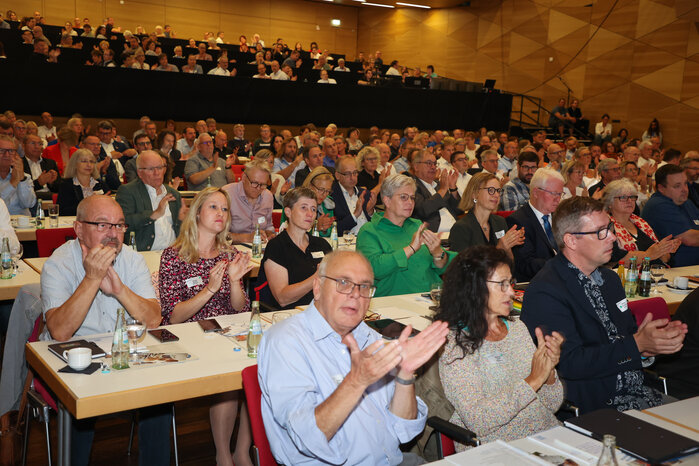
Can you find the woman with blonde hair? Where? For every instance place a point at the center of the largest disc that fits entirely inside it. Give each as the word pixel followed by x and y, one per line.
pixel 320 180
pixel 481 225
pixel 80 180
pixel 573 172
pixel 202 257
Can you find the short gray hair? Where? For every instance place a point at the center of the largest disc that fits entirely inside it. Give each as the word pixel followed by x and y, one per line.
pixel 394 182
pixel 542 177
pixel 258 165
pixel 365 152
pixel 606 164
pixel 335 255
pixel 617 188
pixel 644 144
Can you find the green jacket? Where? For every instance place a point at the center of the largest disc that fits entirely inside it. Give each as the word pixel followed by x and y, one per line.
pixel 135 202
pixel 382 242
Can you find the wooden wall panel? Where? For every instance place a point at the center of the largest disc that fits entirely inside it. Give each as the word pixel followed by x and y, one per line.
pixel 640 64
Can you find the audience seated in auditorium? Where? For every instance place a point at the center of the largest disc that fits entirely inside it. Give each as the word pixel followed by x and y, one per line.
pixel 313 158
pixel 508 162
pixel 609 171
pixel 518 395
pixel 141 142
pixel 393 240
pixel 690 164
pixel 546 189
pixel 63 150
pixel 192 67
pixel 109 176
pixel 80 180
pixel 601 360
pixel 670 212
pixel 559 118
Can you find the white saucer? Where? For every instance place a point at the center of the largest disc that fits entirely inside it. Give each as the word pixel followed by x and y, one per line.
pixel 679 290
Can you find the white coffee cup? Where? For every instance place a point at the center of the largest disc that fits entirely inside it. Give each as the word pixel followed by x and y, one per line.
pixel 681 283
pixel 78 358
pixel 23 221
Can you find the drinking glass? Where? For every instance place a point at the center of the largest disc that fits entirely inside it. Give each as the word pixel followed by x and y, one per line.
pixel 53 215
pixel 436 293
pixel 657 271
pixel 16 254
pixel 136 331
pixel 348 237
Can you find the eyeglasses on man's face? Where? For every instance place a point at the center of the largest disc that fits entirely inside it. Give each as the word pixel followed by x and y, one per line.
pixel 602 233
pixel 321 190
pixel 7 151
pixel 349 174
pixel 104 226
pixel 153 169
pixel 552 193
pixel 345 286
pixel 429 163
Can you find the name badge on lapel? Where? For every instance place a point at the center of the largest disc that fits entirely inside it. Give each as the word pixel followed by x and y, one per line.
pixel 194 281
pixel 623 305
pixel 317 254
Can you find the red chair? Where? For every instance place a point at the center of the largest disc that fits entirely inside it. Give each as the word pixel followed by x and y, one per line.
pixel 47 240
pixel 253 395
pixel 276 219
pixel 448 433
pixel 656 306
pixel 504 213
pixel 238 171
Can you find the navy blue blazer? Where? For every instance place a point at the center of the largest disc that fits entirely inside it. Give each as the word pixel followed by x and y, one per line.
pixel 343 216
pixel 531 256
pixel 589 362
pixel 427 205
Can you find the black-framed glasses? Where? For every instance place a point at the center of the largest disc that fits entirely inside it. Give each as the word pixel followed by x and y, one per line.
pixel 321 190
pixel 345 286
pixel 492 190
pixel 553 193
pixel 626 198
pixel 460 159
pixel 602 233
pixel 255 184
pixel 352 173
pixel 8 151
pixel 504 284
pixel 430 163
pixel 103 226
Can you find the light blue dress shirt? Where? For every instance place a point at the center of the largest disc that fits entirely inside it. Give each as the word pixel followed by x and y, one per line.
pixel 20 198
pixel 301 361
pixel 281 163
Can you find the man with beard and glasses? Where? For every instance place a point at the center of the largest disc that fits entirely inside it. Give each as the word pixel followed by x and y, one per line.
pixel 516 192
pixel 82 284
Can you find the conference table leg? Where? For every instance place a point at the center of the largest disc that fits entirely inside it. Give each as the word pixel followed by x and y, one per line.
pixel 64 421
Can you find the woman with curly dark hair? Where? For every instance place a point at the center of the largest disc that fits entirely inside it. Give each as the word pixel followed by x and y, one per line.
pixel 501 385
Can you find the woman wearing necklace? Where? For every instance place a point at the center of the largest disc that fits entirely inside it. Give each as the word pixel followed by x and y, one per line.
pixel 501 385
pixel 480 225
pixel 634 237
pixel 80 181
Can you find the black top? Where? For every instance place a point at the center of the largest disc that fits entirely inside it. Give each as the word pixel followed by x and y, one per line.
pixel 366 180
pixel 70 195
pixel 299 264
pixel 467 232
pixel 643 242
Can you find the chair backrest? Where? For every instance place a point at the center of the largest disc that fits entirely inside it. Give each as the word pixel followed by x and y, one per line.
pixel 448 448
pixel 238 171
pixel 47 240
pixel 504 213
pixel 253 396
pixel 656 306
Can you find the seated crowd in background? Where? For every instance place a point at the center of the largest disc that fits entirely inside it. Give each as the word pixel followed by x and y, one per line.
pixel 400 195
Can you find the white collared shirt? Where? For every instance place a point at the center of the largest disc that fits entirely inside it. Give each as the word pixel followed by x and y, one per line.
pixel 351 200
pixel 164 234
pixel 35 169
pixel 462 182
pixel 446 219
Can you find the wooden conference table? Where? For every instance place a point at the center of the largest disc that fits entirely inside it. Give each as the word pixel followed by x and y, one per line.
pixel 29 233
pixel 214 367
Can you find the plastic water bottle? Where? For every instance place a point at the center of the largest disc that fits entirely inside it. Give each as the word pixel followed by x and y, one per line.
pixel 608 456
pixel 120 342
pixel 314 231
pixel 6 259
pixel 255 330
pixel 257 243
pixel 333 237
pixel 132 240
pixel 644 283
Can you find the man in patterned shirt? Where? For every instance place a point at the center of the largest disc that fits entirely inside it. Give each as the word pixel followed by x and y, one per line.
pixel 517 189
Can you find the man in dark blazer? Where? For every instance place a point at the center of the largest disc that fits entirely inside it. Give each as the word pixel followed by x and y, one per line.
pixel 604 352
pixel 45 174
pixel 109 177
pixel 436 203
pixel 546 188
pixel 110 147
pixel 350 218
pixel 153 210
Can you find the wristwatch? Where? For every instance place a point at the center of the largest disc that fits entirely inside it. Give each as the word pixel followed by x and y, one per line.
pixel 409 381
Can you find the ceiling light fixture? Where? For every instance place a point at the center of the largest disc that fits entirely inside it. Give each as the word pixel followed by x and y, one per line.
pixel 413 5
pixel 336 22
pixel 378 4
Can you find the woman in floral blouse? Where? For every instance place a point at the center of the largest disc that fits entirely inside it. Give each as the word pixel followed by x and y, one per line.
pixel 201 277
